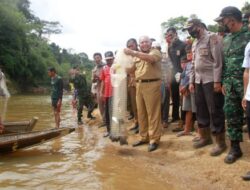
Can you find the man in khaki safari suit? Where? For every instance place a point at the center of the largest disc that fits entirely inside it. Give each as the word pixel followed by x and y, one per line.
pixel 147 66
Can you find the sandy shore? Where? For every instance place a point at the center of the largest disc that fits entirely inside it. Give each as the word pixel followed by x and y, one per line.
pixel 174 165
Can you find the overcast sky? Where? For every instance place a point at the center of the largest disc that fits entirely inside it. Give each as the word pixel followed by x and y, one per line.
pixel 100 25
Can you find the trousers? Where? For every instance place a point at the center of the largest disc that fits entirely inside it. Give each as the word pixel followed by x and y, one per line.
pixel 148 100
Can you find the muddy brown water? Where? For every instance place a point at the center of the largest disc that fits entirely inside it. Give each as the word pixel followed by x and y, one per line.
pixel 80 160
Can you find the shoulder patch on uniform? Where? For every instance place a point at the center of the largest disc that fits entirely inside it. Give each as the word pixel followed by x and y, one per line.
pixel 214 39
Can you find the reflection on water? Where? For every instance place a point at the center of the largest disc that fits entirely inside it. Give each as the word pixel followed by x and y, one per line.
pixel 25 107
pixel 80 160
pixel 4 104
pixel 65 163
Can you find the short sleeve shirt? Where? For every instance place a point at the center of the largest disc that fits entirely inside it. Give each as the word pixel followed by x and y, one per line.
pixel 106 77
pixel 246 64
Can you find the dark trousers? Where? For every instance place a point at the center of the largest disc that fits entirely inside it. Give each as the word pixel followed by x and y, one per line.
pixel 86 101
pixel 165 106
pixel 108 111
pixel 209 108
pixel 175 99
pixel 81 101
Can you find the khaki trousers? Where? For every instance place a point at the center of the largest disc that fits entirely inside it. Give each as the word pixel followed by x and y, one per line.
pixel 148 100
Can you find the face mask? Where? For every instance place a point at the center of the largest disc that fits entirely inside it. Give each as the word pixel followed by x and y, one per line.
pixel 194 33
pixel 225 29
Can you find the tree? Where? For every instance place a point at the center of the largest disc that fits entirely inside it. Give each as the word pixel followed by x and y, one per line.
pixel 24 7
pixel 47 27
pixel 213 28
pixel 246 8
pixel 177 22
pixel 25 54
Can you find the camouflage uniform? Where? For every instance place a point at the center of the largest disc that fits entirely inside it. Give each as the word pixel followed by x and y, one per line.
pixel 82 94
pixel 234 46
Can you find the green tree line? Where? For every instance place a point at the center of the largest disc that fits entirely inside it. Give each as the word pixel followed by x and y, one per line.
pixel 26 54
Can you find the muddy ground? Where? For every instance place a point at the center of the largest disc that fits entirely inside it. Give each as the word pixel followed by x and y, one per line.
pixel 174 165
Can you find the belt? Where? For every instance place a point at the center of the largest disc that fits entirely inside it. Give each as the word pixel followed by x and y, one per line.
pixel 146 80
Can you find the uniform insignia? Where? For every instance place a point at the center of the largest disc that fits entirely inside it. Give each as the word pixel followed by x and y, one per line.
pixel 178 52
pixel 214 39
pixel 203 51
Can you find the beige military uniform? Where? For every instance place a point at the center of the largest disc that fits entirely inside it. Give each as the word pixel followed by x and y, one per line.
pixel 132 94
pixel 207 57
pixel 148 97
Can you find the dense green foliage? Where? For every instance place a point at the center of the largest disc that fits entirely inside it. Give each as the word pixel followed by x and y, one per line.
pixel 246 8
pixel 25 53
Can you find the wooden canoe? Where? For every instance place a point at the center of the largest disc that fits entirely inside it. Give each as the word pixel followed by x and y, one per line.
pixel 13 142
pixel 19 126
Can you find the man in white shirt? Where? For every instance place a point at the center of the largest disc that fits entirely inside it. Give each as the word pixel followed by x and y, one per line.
pixel 246 97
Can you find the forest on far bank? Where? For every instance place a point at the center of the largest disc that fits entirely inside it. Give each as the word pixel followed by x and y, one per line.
pixel 25 51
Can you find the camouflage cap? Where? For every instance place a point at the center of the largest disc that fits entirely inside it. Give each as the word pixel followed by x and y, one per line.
pixel 229 11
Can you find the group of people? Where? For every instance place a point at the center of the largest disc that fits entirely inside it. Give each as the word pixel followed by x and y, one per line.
pixel 203 75
pixel 207 76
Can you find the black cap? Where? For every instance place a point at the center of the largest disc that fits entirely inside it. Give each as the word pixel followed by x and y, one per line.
pixel 193 22
pixel 172 29
pixel 229 11
pixel 109 55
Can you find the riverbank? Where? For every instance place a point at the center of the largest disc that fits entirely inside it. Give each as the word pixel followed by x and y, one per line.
pixel 175 165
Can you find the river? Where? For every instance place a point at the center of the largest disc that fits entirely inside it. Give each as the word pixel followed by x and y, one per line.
pixel 80 160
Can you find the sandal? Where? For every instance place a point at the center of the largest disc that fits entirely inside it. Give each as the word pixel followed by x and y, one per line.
pixel 183 133
pixel 178 129
pixel 165 125
pixel 196 139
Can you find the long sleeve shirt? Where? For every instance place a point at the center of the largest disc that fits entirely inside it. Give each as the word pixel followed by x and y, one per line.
pixel 207 59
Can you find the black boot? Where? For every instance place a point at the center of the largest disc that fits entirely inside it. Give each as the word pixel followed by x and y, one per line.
pixel 234 153
pixel 246 177
pixel 90 116
pixel 135 129
pixel 80 122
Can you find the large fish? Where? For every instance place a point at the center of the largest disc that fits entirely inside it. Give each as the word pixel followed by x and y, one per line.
pixel 119 101
pixel 3 88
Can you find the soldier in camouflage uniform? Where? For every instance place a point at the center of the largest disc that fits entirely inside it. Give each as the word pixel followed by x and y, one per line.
pixel 82 95
pixel 234 45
